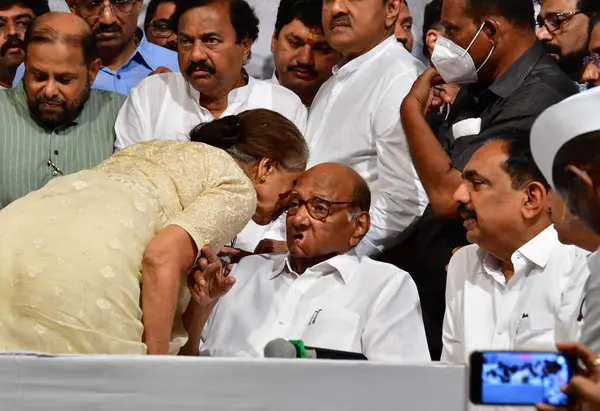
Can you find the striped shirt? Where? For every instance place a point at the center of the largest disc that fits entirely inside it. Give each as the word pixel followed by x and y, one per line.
pixel 31 155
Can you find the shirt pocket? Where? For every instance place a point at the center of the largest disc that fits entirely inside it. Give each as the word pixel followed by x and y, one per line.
pixel 536 332
pixel 333 328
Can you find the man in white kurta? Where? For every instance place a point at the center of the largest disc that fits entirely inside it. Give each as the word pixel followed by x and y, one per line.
pixel 212 82
pixel 320 292
pixel 517 287
pixel 355 117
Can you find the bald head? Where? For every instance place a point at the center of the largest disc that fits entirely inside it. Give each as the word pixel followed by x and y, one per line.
pixel 62 28
pixel 343 180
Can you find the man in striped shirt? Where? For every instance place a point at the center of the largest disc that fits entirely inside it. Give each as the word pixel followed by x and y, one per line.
pixel 53 123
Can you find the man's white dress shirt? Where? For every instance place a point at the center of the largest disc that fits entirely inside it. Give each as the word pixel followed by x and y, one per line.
pixel 344 304
pixel 355 120
pixel 166 107
pixel 533 311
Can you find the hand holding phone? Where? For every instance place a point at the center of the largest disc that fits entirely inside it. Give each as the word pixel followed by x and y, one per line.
pixel 520 378
pixel 584 387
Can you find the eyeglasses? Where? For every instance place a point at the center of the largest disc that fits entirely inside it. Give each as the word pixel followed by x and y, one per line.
pixel 95 8
pixel 161 28
pixel 552 21
pixel 318 208
pixel 592 58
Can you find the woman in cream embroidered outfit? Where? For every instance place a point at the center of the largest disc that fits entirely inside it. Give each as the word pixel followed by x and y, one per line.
pixel 74 254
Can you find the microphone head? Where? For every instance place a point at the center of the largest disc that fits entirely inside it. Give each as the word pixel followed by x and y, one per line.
pixel 280 348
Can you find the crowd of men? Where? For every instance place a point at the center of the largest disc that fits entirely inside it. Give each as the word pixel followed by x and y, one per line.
pixel 437 158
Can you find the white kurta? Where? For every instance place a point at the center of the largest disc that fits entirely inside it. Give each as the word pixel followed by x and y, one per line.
pixel 344 304
pixel 166 107
pixel 355 120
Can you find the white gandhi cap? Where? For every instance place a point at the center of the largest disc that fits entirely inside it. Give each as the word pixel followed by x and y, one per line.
pixel 577 115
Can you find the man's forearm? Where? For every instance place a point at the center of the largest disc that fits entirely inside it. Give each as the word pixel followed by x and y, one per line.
pixel 194 319
pixel 431 161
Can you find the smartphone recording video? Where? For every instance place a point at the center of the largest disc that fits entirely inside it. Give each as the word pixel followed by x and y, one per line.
pixel 519 378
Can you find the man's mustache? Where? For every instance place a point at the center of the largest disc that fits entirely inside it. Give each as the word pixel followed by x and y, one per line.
pixel 112 28
pixel 342 19
pixel 302 67
pixel 54 101
pixel 201 66
pixel 12 42
pixel 465 213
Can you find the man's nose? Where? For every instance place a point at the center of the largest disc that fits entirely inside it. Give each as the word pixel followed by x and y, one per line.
pixel 305 56
pixel 339 7
pixel 50 89
pixel 107 15
pixel 198 51
pixel 544 35
pixel 461 195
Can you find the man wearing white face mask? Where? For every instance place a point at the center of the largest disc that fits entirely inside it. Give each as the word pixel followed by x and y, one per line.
pixel 507 80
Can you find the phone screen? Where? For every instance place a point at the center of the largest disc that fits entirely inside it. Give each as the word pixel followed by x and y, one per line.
pixel 519 378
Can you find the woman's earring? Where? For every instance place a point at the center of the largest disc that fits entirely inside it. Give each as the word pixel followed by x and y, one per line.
pixel 263 179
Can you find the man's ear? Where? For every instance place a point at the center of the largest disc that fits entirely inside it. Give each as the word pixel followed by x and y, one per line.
pixel 393 10
pixel 491 28
pixel 72 8
pixel 430 39
pixel 247 45
pixel 273 42
pixel 583 178
pixel 94 69
pixel 362 223
pixel 535 200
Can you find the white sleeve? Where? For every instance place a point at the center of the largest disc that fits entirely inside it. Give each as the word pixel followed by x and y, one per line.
pixel 398 197
pixel 132 124
pixel 395 329
pixel 452 331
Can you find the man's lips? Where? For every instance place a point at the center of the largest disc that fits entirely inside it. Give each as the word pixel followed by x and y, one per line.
pixel 339 24
pixel 14 50
pixel 303 73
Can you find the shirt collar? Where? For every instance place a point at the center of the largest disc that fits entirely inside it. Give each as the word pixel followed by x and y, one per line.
pixel 512 78
pixel 537 250
pixel 345 265
pixel 274 79
pixel 238 94
pixel 360 61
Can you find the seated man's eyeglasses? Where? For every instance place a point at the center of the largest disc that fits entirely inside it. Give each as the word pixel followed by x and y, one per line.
pixel 95 8
pixel 161 28
pixel 318 208
pixel 592 58
pixel 552 21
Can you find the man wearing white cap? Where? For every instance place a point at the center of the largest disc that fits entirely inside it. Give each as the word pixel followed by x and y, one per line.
pixel 565 142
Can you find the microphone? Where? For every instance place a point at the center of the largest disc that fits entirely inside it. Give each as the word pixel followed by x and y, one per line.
pixel 280 348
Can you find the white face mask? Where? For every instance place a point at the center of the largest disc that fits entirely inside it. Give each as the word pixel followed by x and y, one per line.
pixel 454 63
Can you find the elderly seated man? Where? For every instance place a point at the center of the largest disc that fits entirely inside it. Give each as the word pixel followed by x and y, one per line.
pixel 319 292
pixel 517 286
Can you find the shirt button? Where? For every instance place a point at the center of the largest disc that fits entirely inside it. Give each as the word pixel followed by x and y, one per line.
pixel 118 77
pixel 281 322
pixel 55 152
pixel 55 173
pixel 500 332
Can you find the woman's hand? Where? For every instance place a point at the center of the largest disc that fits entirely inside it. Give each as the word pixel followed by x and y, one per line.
pixel 585 387
pixel 209 281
